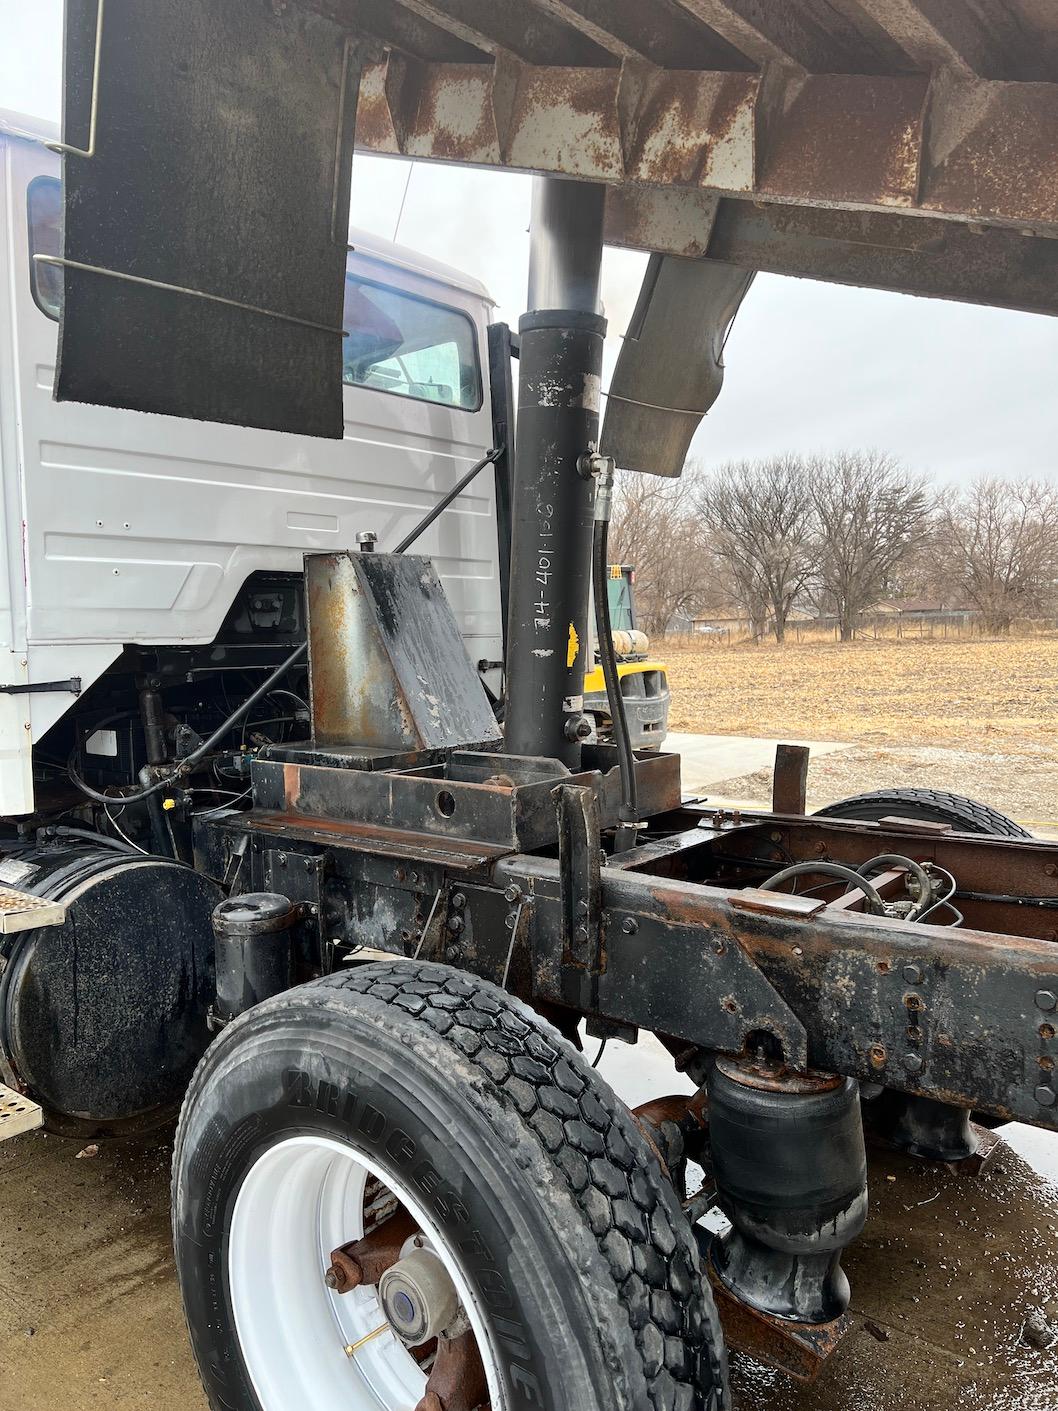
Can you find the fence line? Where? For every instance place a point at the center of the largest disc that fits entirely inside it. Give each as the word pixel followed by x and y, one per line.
pixel 955 628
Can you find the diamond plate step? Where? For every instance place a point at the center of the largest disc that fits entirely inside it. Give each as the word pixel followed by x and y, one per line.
pixel 22 911
pixel 18 1114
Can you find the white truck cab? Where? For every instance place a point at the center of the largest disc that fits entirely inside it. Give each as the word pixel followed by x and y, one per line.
pixel 125 530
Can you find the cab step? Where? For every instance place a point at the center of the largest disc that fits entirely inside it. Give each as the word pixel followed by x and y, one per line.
pixel 18 1114
pixel 22 911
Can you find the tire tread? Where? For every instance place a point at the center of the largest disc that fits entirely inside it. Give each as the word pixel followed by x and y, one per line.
pixel 595 1149
pixel 966 815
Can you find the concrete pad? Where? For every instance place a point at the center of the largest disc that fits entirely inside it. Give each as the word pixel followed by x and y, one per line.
pixel 709 760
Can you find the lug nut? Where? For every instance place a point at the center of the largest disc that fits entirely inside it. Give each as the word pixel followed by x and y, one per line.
pixel 912 974
pixel 1045 1096
pixel 912 1062
pixel 1046 1000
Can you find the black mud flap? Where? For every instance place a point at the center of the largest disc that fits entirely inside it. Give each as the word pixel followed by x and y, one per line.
pixel 206 173
pixel 671 366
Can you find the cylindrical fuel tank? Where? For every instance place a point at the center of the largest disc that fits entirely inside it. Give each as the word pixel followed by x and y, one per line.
pixel 254 939
pixel 791 1174
pixel 103 1018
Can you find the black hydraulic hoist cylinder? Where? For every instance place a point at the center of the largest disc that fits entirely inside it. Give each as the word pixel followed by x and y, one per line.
pixel 560 383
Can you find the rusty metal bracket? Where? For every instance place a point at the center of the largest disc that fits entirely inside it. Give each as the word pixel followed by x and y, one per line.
pixel 789 786
pixel 365 1261
pixel 798 1349
pixel 579 848
pixel 667 961
pixel 457 1381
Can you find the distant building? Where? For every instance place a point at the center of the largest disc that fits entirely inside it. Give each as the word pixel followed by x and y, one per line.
pixel 924 610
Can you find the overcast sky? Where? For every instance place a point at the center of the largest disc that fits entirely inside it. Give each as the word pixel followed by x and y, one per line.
pixel 953 390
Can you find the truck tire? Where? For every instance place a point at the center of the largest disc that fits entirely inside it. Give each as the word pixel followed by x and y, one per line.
pixel 568 1247
pixel 930 805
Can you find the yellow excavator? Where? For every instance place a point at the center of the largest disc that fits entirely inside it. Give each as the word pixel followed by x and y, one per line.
pixel 644 679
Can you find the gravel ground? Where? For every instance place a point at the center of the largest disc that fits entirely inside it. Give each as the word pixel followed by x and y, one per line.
pixel 1023 785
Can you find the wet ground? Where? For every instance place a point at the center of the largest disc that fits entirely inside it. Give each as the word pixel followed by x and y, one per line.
pixel 947 1273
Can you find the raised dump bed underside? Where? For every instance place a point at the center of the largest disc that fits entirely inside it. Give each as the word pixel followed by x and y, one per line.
pixel 903 144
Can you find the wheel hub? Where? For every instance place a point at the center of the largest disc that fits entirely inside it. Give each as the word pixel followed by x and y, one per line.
pixel 419 1298
pixel 309 1345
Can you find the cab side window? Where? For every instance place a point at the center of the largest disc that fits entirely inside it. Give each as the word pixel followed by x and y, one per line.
pixel 44 208
pixel 399 343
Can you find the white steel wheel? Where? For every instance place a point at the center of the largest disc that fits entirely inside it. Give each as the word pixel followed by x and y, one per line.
pixel 307 1347
pixel 556 1266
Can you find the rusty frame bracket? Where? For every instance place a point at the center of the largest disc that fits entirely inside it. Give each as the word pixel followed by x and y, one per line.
pixel 579 848
pixel 952 1014
pixel 789 788
pixel 798 1349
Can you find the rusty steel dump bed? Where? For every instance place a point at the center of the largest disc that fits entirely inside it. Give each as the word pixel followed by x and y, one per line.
pixel 908 145
pixel 796 137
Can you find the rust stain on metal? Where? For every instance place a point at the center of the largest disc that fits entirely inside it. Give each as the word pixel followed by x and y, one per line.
pixel 841 138
pixel 696 130
pixel 450 852
pixel 798 1349
pixel 454 119
pixel 970 149
pixel 291 784
pixel 566 120
pixel 992 151
pixel 376 129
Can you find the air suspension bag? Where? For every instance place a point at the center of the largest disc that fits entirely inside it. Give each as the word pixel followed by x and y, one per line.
pixel 791 1173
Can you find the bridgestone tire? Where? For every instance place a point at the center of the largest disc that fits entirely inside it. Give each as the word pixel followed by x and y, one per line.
pixel 579 1247
pixel 930 805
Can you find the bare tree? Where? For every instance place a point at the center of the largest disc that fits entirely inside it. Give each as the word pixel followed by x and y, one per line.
pixel 871 516
pixel 997 545
pixel 656 530
pixel 759 516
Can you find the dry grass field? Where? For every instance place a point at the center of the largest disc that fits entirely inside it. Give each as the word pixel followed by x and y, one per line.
pixel 975 717
pixel 989 695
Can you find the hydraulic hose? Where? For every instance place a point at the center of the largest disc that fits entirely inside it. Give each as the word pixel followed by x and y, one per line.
pixel 831 869
pixel 101 840
pixel 628 812
pixel 202 750
pixel 893 859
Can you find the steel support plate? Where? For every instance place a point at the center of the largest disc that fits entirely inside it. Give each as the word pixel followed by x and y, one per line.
pixel 18 1114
